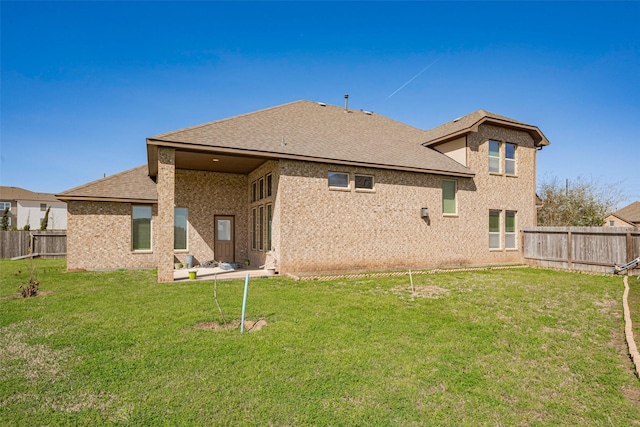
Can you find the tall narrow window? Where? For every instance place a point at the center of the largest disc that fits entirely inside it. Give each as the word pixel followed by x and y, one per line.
pixel 180 229
pixel 494 156
pixel 510 230
pixel 338 180
pixel 141 228
pixel 510 159
pixel 269 185
pixel 261 189
pixel 254 231
pixel 494 229
pixel 449 197
pixel 260 228
pixel 269 220
pixel 254 191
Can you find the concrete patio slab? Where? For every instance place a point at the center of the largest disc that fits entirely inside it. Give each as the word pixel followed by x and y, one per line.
pixel 212 273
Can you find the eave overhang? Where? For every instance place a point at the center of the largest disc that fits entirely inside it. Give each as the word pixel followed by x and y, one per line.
pixel 536 134
pixel 153 144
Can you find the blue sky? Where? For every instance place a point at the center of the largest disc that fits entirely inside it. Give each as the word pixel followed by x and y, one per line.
pixel 84 83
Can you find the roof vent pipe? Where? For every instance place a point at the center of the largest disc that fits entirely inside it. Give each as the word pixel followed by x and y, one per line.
pixel 346 103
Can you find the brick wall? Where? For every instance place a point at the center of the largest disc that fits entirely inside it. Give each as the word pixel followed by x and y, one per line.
pixel 99 236
pixel 332 230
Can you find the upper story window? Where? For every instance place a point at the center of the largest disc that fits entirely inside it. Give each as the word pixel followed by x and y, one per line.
pixel 141 228
pixel 261 189
pixel 364 182
pixel 254 191
pixel 449 205
pixel 510 159
pixel 43 207
pixel 269 185
pixel 5 205
pixel 494 156
pixel 338 180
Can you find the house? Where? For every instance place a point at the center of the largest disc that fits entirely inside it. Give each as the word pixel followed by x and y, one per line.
pixel 310 187
pixel 29 208
pixel 629 216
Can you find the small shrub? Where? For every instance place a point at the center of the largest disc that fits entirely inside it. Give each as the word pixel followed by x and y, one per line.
pixel 31 288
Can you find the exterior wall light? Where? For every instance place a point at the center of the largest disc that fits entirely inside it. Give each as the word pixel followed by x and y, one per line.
pixel 424 212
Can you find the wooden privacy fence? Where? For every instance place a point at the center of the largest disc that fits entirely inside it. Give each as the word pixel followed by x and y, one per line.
pixel 44 243
pixel 596 249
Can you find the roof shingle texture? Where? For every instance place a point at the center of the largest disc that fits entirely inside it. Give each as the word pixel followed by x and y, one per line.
pixel 17 193
pixel 463 123
pixel 321 132
pixel 133 184
pixel 630 213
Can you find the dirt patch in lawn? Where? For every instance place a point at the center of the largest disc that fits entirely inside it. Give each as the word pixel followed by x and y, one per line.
pixel 249 325
pixel 40 294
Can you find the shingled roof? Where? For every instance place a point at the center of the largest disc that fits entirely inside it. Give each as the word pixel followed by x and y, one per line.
pixel 313 131
pixel 17 193
pixel 133 185
pixel 471 122
pixel 630 213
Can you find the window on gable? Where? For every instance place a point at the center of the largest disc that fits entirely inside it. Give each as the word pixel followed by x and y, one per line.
pixel 180 229
pixel 141 228
pixel 269 185
pixel 364 182
pixel 510 159
pixel 494 229
pixel 494 156
pixel 510 230
pixel 338 180
pixel 449 188
pixel 261 189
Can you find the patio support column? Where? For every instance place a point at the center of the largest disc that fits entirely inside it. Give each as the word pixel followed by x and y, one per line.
pixel 166 186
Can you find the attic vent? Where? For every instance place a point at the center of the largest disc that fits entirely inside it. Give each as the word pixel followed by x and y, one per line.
pixel 367 112
pixel 455 120
pixel 322 104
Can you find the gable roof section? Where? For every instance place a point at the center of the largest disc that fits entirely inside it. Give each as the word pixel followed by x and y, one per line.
pixel 17 193
pixel 133 185
pixel 630 213
pixel 471 122
pixel 312 131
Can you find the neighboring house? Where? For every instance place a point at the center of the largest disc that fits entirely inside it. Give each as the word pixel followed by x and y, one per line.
pixel 310 187
pixel 629 216
pixel 28 207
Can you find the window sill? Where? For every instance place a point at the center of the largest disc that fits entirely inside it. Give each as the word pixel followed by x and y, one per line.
pixel 496 250
pixel 449 215
pixel 511 249
pixel 142 252
pixel 339 189
pixel 181 251
pixel 365 190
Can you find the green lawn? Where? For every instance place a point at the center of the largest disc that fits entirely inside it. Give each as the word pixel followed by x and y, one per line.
pixel 511 347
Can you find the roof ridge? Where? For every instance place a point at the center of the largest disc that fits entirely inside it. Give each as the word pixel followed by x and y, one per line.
pixel 274 107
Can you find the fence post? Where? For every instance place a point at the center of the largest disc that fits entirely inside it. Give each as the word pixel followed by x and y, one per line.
pixel 629 256
pixel 569 250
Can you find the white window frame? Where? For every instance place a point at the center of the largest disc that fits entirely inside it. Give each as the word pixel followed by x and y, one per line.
pixel 150 229
pixel 510 161
pixel 362 175
pixel 186 230
pixel 5 205
pixel 496 159
pixel 339 187
pixel 511 236
pixel 455 197
pixel 495 234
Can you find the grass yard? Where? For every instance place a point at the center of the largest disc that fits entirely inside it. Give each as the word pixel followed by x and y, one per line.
pixel 511 347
